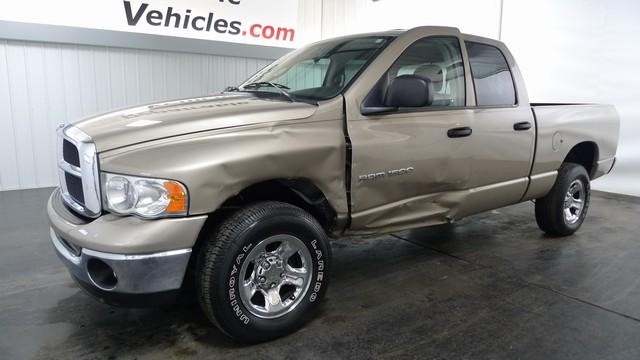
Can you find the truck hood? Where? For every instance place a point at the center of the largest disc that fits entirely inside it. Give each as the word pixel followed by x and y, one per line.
pixel 178 117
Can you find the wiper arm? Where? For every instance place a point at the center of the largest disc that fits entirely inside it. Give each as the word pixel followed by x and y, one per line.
pixel 281 88
pixel 269 83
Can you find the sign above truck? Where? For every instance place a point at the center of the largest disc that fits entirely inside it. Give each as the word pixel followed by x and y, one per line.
pixel 257 22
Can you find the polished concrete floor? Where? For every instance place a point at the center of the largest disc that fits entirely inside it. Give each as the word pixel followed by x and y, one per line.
pixel 490 287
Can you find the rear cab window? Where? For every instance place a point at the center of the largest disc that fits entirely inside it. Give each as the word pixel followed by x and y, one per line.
pixel 491 74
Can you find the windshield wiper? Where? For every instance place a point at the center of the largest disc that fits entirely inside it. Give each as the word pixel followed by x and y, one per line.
pixel 267 83
pixel 281 88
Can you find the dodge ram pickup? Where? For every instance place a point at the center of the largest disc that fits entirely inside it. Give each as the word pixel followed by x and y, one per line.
pixel 237 193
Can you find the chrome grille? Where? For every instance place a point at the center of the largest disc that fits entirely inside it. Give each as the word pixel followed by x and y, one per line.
pixel 70 153
pixel 78 171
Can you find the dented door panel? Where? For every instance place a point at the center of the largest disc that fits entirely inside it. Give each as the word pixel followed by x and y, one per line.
pixel 386 146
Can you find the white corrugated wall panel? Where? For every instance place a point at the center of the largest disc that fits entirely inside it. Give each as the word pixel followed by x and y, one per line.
pixel 8 158
pixel 43 85
pixel 340 17
pixel 309 21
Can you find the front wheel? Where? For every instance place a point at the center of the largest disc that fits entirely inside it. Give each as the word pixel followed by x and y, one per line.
pixel 263 272
pixel 562 211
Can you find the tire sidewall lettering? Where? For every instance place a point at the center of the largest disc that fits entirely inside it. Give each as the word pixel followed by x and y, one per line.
pixel 319 276
pixel 234 279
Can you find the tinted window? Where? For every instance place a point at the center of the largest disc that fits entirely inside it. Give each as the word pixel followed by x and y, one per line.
pixel 438 59
pixel 491 75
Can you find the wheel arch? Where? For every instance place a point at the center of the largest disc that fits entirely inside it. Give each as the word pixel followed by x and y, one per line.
pixel 586 154
pixel 300 192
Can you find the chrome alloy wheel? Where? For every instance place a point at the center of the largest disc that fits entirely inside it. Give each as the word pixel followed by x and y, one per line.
pixel 574 201
pixel 275 276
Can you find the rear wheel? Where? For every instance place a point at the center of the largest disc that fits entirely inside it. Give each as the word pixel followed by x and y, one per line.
pixel 263 272
pixel 563 210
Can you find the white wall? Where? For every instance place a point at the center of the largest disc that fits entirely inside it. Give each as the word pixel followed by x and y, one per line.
pixel 340 17
pixel 583 51
pixel 43 85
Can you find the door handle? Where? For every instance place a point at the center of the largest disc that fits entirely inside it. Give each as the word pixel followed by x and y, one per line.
pixel 459 132
pixel 520 126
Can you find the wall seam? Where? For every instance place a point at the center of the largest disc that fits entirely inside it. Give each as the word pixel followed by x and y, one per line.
pixel 95 80
pixel 30 115
pixel 11 112
pixel 50 142
pixel 322 19
pixel 500 21
pixel 64 93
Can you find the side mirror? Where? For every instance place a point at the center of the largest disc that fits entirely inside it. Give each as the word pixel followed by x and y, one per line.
pixel 403 91
pixel 409 91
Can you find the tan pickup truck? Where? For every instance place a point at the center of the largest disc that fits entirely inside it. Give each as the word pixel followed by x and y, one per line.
pixel 365 134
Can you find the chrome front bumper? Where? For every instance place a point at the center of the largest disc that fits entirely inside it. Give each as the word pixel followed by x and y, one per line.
pixel 133 274
pixel 123 260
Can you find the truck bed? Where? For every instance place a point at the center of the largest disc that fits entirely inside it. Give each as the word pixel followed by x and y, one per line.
pixel 561 126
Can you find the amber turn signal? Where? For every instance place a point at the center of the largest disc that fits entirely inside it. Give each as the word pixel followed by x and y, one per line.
pixel 177 196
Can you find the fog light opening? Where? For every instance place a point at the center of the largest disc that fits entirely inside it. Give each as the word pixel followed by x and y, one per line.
pixel 101 274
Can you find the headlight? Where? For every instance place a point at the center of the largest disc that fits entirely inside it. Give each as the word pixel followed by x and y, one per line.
pixel 145 197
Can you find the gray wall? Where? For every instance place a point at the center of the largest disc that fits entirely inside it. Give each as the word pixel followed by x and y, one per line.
pixel 46 84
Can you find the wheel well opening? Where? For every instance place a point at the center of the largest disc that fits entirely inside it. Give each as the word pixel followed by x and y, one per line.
pixel 585 154
pixel 299 192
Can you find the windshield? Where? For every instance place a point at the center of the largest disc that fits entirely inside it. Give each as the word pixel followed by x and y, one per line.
pixel 318 71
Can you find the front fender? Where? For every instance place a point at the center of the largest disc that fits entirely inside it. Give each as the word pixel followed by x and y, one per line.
pixel 217 165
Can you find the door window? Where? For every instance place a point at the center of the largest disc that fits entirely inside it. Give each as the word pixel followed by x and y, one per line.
pixel 439 59
pixel 491 75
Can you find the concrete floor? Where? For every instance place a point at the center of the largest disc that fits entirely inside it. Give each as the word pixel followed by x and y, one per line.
pixel 490 287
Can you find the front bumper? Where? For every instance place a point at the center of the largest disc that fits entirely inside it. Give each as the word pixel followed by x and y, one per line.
pixel 122 278
pixel 112 277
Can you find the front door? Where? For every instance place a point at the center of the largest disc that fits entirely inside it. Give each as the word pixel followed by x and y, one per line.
pixel 407 163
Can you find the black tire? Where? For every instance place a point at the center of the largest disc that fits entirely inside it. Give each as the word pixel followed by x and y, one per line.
pixel 218 278
pixel 550 211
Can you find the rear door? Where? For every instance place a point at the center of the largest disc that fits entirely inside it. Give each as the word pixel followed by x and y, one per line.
pixel 503 130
